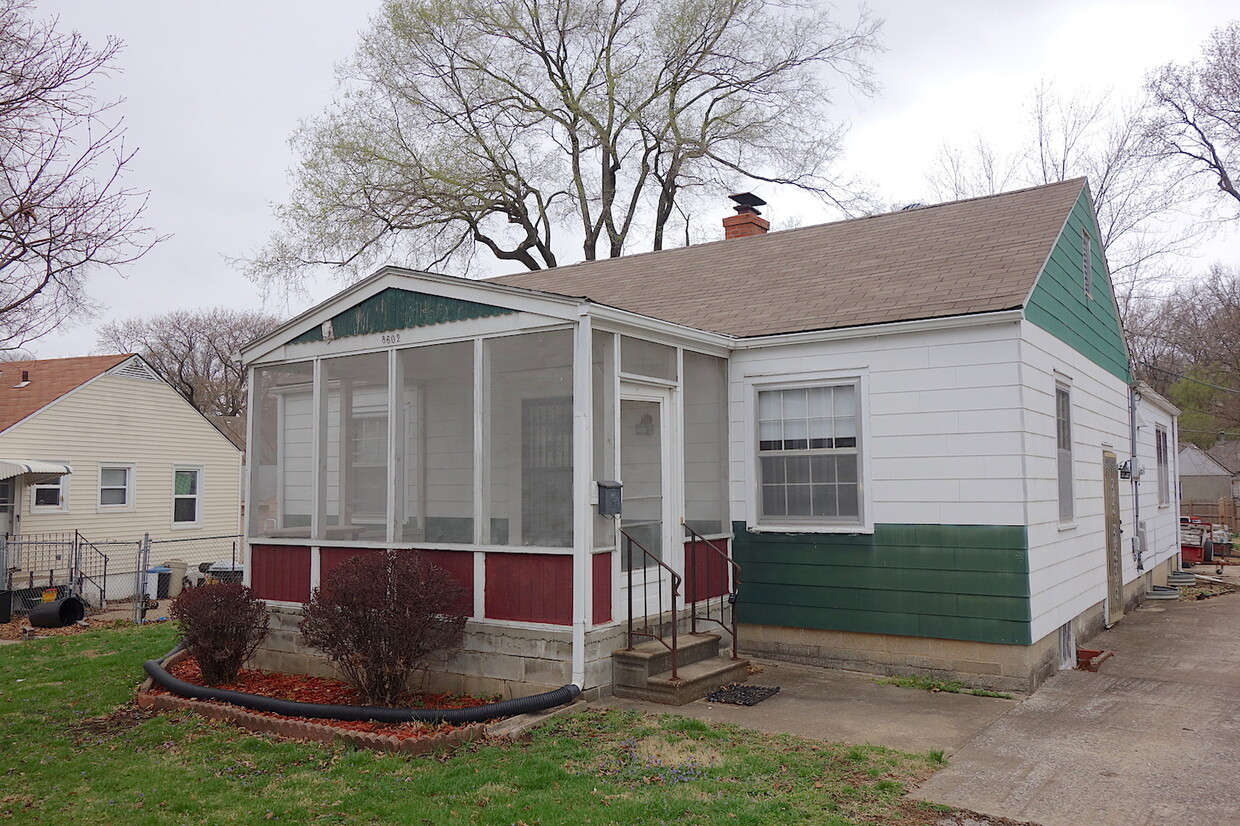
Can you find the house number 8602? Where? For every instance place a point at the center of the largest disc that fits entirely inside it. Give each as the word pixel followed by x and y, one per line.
pixel 391 338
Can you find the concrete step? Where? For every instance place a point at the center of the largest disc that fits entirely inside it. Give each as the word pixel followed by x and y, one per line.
pixel 635 667
pixel 696 680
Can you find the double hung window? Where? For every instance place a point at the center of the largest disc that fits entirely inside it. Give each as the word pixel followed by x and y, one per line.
pixel 809 455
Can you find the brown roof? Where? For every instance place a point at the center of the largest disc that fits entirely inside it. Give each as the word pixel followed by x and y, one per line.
pixel 49 380
pixel 961 258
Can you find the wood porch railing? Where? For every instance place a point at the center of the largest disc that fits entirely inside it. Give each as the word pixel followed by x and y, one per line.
pixel 704 609
pixel 649 562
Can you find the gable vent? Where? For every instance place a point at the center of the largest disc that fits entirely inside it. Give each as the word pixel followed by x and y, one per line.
pixel 135 369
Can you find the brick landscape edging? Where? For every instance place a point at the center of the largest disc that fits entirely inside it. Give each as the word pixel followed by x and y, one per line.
pixel 304 730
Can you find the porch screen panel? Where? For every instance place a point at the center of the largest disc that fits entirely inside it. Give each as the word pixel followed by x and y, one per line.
pixel 355 448
pixel 530 440
pixel 281 455
pixel 435 448
pixel 646 358
pixel 604 406
pixel 706 443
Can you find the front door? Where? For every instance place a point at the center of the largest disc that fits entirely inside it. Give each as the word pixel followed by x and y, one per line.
pixel 7 505
pixel 1110 503
pixel 645 462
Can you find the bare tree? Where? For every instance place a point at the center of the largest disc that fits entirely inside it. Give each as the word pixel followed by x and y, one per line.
pixel 64 209
pixel 1137 200
pixel 193 351
pixel 1196 121
pixel 1187 346
pixel 472 125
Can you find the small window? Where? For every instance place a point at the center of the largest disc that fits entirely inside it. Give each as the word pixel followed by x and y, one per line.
pixel 50 494
pixel 1063 451
pixel 187 496
pixel 116 486
pixel 808 455
pixel 1164 469
pixel 1087 268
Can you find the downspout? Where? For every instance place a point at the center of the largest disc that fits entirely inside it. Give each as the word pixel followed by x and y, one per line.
pixel 583 453
pixel 1138 552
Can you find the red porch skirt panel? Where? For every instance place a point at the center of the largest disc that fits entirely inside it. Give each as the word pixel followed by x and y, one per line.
pixel 710 570
pixel 601 587
pixel 280 572
pixel 460 564
pixel 529 587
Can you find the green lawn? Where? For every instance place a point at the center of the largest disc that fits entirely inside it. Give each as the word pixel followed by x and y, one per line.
pixel 73 748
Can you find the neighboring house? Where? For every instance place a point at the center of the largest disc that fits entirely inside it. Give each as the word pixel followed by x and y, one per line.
pixel 908 429
pixel 1203 478
pixel 1227 454
pixel 102 446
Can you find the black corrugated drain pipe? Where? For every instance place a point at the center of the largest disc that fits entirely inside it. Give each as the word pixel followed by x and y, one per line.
pixel 291 708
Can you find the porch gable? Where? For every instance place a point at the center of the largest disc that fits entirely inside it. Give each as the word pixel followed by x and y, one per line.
pixel 397 309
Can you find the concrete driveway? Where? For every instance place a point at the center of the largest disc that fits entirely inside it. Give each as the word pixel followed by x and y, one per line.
pixel 1152 738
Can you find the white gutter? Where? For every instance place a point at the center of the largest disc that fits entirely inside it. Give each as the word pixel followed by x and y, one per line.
pixel 583 453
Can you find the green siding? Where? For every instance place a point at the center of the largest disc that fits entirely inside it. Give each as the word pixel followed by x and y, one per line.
pixel 395 309
pixel 1058 305
pixel 962 582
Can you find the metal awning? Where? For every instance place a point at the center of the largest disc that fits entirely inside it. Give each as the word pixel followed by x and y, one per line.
pixel 34 471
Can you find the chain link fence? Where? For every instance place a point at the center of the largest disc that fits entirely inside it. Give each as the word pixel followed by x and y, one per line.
pixel 139 574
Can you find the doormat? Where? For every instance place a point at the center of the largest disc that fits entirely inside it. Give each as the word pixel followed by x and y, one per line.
pixel 739 694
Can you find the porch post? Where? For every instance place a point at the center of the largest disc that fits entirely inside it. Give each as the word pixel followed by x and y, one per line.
pixel 583 453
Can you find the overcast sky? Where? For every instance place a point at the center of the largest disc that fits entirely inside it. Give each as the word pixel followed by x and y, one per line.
pixel 213 91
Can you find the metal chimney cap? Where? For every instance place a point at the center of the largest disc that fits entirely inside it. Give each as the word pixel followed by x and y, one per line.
pixel 747 202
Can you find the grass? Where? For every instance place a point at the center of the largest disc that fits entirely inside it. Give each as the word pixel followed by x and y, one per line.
pixel 950 686
pixel 75 747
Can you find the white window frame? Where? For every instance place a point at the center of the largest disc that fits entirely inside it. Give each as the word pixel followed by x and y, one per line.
pixel 1066 509
pixel 1163 462
pixel 128 504
pixel 197 497
pixel 755 522
pixel 62 485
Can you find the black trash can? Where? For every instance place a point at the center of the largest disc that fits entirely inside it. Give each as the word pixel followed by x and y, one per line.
pixel 6 606
pixel 57 614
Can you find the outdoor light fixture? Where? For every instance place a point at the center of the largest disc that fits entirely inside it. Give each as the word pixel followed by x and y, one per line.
pixel 645 425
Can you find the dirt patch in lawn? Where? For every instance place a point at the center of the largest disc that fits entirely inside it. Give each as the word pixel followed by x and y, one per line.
pixel 108 726
pixel 12 630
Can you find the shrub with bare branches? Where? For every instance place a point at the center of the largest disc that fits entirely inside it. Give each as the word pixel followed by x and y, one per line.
pixel 378 615
pixel 222 624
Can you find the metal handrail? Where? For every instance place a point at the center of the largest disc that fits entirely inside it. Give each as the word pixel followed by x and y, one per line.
pixel 692 590
pixel 101 586
pixel 675 580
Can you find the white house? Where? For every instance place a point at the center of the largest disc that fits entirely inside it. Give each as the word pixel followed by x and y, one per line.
pixel 917 435
pixel 101 447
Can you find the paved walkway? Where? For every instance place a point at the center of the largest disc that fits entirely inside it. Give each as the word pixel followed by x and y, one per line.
pixel 1152 738
pixel 847 707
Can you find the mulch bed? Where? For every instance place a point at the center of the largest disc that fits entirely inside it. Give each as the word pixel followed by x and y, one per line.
pixel 405 737
pixel 12 630
pixel 739 694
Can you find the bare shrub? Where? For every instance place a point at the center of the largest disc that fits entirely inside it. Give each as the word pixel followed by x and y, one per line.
pixel 222 624
pixel 379 614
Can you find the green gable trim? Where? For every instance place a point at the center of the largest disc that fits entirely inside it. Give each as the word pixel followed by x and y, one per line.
pixel 395 309
pixel 1059 305
pixel 959 582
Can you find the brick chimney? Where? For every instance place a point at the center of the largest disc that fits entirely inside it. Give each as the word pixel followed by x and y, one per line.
pixel 747 220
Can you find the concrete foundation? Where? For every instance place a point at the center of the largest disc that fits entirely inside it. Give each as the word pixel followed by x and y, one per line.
pixel 495 659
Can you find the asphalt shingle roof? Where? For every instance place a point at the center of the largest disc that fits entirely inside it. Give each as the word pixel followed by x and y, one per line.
pixel 960 258
pixel 49 380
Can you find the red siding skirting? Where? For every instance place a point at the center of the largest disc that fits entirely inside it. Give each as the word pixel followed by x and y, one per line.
pixel 280 572
pixel 602 588
pixel 460 564
pixel 529 587
pixel 712 570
